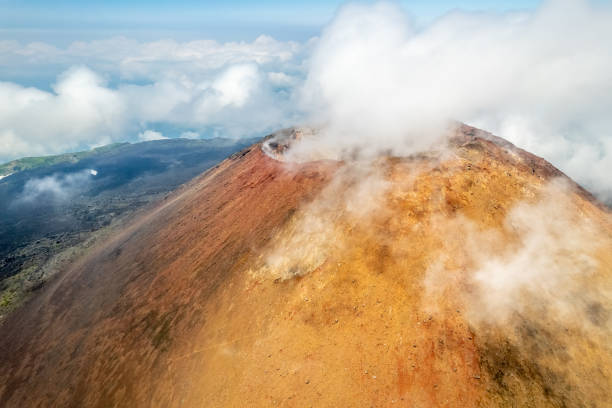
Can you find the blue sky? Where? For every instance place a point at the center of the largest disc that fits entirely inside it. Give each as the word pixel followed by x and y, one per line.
pixel 61 22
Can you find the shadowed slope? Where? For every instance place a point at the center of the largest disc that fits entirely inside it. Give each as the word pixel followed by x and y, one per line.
pixel 263 283
pixel 104 331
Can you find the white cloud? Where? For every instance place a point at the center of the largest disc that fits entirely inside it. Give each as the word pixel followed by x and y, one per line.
pixel 56 188
pixel 80 109
pixel 190 135
pixel 149 135
pixel 202 86
pixel 281 79
pixel 154 60
pixel 542 80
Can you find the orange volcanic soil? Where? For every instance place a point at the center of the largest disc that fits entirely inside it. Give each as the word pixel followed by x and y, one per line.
pixel 263 283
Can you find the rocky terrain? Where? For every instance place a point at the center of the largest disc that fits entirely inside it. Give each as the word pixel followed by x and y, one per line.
pixel 476 275
pixel 52 209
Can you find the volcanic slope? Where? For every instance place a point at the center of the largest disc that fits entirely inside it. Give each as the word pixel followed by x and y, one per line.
pixel 477 275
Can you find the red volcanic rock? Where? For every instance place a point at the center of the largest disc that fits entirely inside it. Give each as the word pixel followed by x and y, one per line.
pixel 264 283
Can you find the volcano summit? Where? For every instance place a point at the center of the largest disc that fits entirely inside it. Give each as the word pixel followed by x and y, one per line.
pixel 474 275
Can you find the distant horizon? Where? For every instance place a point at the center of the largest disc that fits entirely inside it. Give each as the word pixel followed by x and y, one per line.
pixel 127 141
pixel 33 24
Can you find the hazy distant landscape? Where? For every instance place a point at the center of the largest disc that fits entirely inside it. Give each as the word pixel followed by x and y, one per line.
pixel 59 205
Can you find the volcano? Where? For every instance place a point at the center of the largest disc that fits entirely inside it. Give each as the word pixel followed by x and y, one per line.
pixel 476 275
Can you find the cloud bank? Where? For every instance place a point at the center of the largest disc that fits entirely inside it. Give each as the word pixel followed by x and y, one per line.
pixel 542 80
pixel 373 81
pixel 119 89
